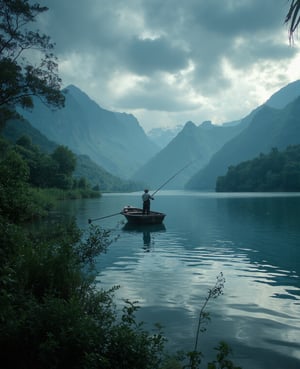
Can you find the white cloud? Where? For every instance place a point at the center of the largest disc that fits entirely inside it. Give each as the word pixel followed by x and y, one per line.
pixel 173 61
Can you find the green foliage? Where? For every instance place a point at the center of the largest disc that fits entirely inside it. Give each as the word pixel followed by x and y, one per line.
pixel 52 312
pixel 99 178
pixel 195 356
pixel 204 317
pixel 25 141
pixel 14 129
pixel 4 147
pixel 97 242
pixel 222 361
pixel 52 171
pixel 264 128
pixel 82 183
pixel 14 190
pixel 20 77
pixel 53 315
pixel 133 347
pixel 293 17
pixel 65 159
pixel 276 171
pixel 42 167
pixel 23 166
pixel 18 201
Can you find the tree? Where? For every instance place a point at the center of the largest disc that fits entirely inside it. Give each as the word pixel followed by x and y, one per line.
pixel 83 183
pixel 66 163
pixel 25 141
pixel 43 168
pixel 27 65
pixel 65 159
pixel 276 171
pixel 293 17
pixel 14 191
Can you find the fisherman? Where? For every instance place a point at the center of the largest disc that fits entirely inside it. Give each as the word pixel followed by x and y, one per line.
pixel 146 201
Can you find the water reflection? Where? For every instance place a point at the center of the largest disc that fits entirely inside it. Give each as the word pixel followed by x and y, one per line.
pixel 252 238
pixel 146 232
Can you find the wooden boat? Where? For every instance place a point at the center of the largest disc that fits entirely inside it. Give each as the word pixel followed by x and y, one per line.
pixel 135 216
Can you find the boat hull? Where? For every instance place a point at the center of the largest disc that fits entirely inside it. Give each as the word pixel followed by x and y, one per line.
pixel 135 216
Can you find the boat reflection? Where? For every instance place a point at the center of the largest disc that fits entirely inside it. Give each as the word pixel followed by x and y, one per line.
pixel 146 231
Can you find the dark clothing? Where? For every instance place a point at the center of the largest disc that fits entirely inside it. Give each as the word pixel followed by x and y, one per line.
pixel 146 206
pixel 146 202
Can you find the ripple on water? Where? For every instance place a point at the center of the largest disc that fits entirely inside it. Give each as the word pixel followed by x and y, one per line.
pixel 170 274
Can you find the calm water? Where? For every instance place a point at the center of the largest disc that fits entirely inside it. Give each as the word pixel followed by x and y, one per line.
pixel 254 239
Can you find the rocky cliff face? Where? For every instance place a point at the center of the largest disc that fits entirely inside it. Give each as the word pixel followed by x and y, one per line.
pixel 113 140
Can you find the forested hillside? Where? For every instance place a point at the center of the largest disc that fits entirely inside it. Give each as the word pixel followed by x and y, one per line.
pixel 44 171
pixel 114 141
pixel 273 172
pixel 105 181
pixel 269 127
pixel 16 128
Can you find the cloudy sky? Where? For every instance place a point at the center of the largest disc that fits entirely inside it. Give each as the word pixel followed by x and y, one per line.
pixel 171 61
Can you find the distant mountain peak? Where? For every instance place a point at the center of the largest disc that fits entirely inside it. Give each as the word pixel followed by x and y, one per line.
pixel 112 140
pixel 74 90
pixel 72 87
pixel 190 125
pixel 206 124
pixel 78 94
pixel 284 96
pixel 163 135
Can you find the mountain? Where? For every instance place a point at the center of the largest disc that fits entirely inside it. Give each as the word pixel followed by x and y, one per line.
pixel 268 129
pixel 162 136
pixel 190 149
pixel 277 171
pixel 284 96
pixel 85 167
pixel 15 128
pixel 96 175
pixel 114 141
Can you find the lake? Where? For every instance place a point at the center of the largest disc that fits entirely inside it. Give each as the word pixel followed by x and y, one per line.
pixel 253 239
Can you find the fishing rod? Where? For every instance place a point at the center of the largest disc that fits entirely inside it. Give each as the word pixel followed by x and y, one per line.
pixel 173 176
pixel 107 216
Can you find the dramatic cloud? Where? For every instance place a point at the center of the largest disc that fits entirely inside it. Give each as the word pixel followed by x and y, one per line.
pixel 173 61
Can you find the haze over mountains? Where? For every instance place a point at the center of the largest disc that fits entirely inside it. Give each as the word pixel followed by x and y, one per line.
pixel 112 140
pixel 274 124
pixel 191 148
pixel 210 149
pixel 85 167
pixel 117 143
pixel 163 136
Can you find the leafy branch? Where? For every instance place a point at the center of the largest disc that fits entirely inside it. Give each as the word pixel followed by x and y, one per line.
pixel 204 318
